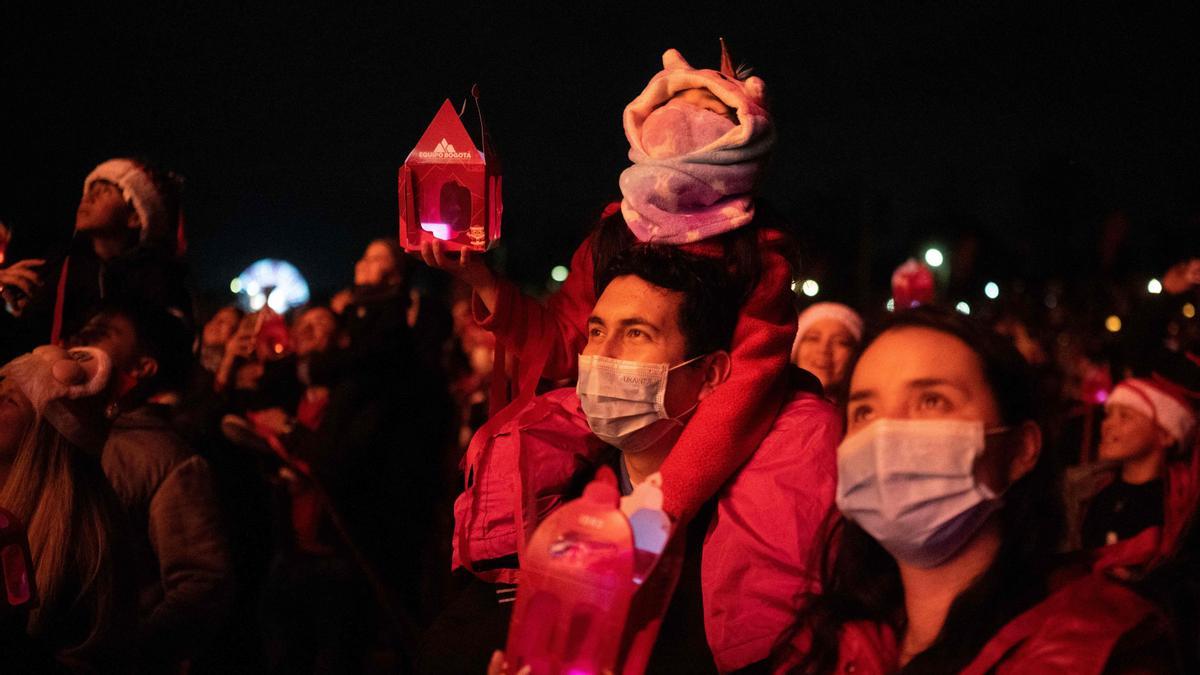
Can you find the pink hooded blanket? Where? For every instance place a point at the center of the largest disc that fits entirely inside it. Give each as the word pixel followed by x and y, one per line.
pixel 694 171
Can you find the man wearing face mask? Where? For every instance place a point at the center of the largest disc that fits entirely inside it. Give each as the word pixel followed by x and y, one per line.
pixel 658 340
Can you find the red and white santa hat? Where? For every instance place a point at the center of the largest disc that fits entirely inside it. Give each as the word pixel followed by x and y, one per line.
pixel 137 187
pixel 827 310
pixel 62 386
pixel 1157 401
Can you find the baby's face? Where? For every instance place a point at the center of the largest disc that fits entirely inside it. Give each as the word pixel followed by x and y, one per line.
pixel 703 98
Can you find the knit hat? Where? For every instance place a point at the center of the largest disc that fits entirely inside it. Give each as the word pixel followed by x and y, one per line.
pixel 693 170
pixel 1158 402
pixel 828 310
pixel 137 188
pixel 61 385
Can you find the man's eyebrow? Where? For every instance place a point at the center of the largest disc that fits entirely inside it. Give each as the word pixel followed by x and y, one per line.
pixel 595 319
pixel 639 321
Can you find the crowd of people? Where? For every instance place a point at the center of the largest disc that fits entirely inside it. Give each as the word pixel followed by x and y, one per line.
pixel 348 487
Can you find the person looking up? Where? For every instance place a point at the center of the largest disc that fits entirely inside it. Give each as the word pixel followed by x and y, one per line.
pixel 127 247
pixel 949 525
pixel 51 431
pixel 216 334
pixel 164 487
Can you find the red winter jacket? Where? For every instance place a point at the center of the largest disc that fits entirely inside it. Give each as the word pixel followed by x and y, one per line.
pixel 1153 545
pixel 1083 628
pixel 761 551
pixel 729 424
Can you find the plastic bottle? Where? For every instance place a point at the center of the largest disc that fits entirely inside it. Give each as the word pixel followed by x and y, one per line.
pixel 576 585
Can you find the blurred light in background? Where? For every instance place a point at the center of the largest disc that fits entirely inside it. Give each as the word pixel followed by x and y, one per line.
pixel 992 290
pixel 810 287
pixel 1155 286
pixel 1113 323
pixel 559 273
pixel 934 257
pixel 272 283
pixel 963 308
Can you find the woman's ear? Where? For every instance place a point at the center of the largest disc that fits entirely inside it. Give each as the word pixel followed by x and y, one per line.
pixel 716 371
pixel 1027 448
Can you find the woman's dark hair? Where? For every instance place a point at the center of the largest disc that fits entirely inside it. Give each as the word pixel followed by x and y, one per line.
pixel 740 247
pixel 400 260
pixel 860 579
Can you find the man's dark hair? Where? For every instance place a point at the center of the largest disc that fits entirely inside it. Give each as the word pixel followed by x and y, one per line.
pixel 710 306
pixel 161 336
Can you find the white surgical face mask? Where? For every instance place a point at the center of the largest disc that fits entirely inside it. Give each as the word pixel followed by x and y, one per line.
pixel 911 485
pixel 623 400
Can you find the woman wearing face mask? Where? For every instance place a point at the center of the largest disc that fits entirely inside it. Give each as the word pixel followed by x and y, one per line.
pixel 827 336
pixel 949 524
pixel 699 140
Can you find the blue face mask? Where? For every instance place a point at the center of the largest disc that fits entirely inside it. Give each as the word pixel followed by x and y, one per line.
pixel 911 485
pixel 623 401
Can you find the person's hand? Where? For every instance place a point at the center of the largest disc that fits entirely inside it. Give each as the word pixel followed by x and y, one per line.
pixel 1182 276
pixel 499 666
pixel 469 268
pixel 238 347
pixel 23 277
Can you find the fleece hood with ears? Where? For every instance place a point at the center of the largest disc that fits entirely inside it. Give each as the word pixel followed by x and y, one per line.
pixel 693 172
pixel 63 387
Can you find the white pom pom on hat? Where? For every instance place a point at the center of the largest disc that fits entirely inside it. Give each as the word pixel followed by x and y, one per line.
pixel 56 381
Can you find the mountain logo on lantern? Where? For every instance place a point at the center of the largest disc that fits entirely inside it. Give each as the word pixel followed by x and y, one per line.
pixel 444 150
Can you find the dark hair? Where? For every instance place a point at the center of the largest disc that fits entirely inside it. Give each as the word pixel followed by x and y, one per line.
pixel 740 248
pixel 400 260
pixel 861 581
pixel 161 336
pixel 709 310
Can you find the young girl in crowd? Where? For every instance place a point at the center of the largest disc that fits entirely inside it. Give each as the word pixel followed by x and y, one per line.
pixel 50 482
pixel 827 337
pixel 698 142
pixel 943 558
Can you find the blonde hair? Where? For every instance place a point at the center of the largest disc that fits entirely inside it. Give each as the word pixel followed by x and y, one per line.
pixel 70 515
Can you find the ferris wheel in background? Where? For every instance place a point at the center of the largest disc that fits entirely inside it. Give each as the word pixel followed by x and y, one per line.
pixel 271 283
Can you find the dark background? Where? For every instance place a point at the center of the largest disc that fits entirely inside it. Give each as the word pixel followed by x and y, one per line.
pixel 1024 138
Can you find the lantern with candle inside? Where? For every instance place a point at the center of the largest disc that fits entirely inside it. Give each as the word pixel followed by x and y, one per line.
pixel 450 190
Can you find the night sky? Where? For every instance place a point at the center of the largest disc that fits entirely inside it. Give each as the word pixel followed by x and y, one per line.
pixel 1021 129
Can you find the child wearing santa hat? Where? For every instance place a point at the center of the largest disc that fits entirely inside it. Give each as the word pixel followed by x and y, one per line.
pixel 1148 431
pixel 127 247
